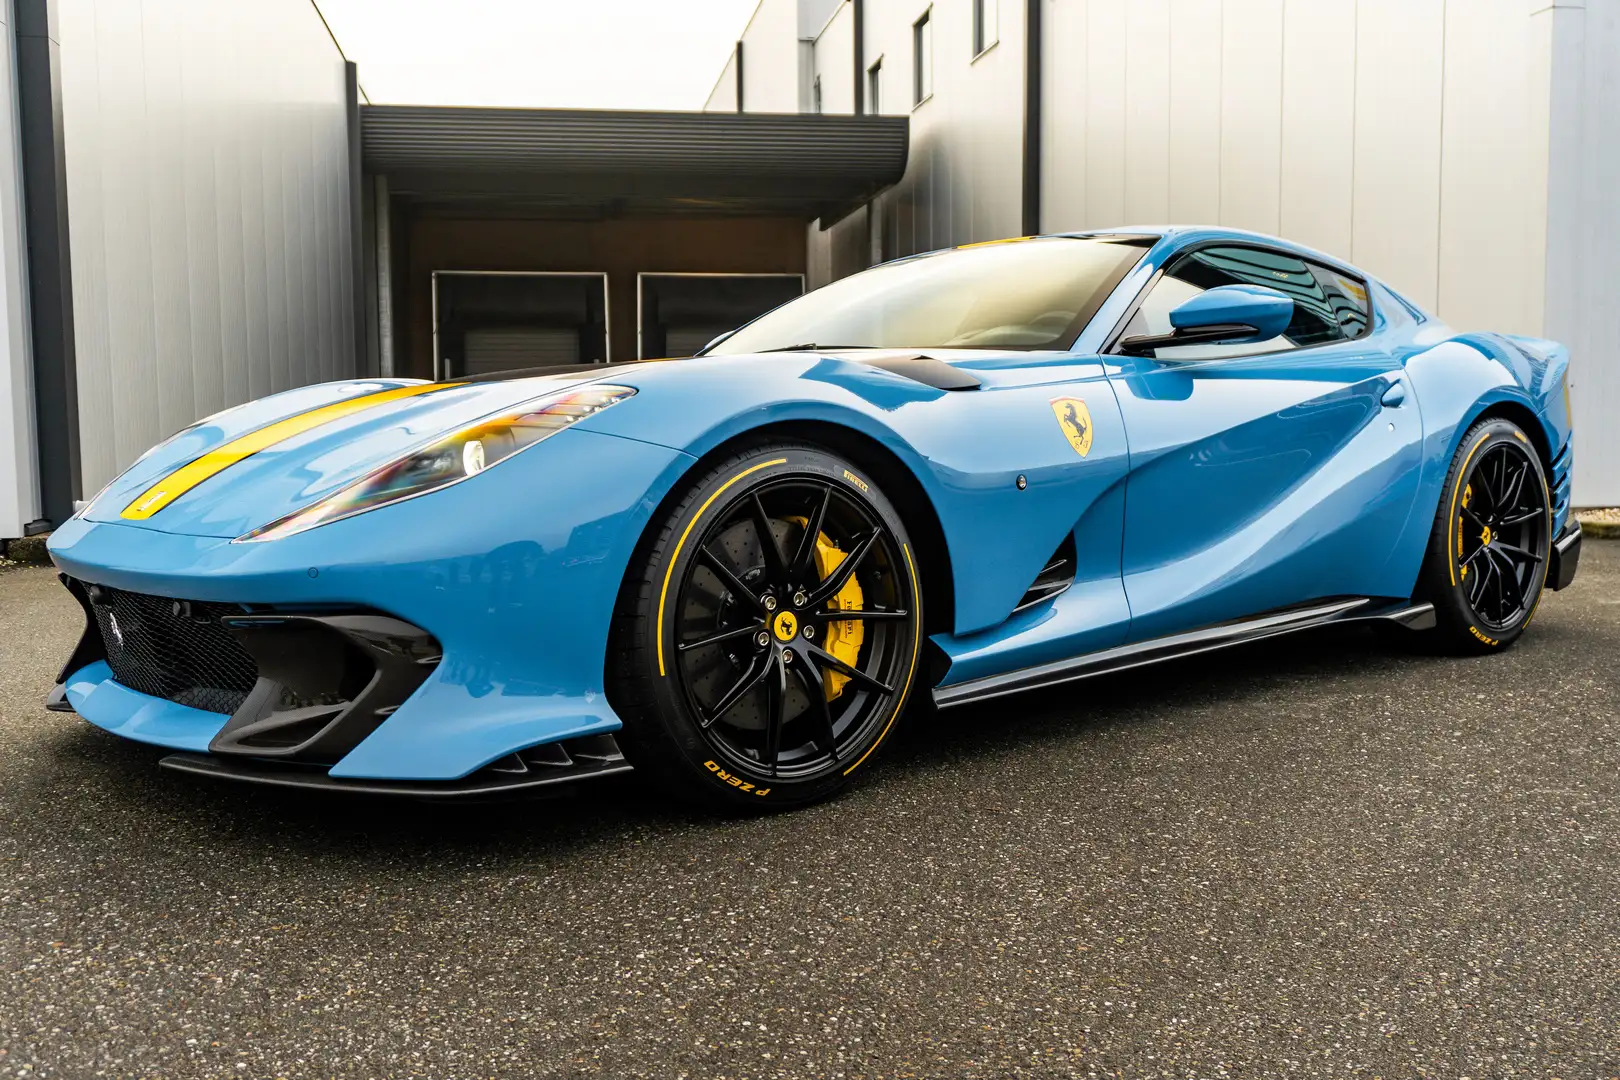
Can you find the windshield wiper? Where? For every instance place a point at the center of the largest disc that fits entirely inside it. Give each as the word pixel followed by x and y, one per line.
pixel 809 346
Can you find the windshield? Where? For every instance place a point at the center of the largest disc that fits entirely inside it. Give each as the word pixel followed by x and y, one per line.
pixel 1029 294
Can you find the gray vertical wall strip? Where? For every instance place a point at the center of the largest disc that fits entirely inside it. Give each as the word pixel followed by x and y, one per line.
pixel 859 15
pixel 210 163
pixel 45 189
pixel 357 238
pixel 383 212
pixel 1033 51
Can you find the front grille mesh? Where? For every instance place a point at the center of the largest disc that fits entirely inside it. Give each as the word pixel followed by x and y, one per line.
pixel 174 649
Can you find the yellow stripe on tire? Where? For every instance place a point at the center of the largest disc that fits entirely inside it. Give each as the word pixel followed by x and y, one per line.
pixel 916 649
pixel 676 554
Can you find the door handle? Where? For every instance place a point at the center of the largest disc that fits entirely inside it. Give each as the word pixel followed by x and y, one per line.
pixel 1394 396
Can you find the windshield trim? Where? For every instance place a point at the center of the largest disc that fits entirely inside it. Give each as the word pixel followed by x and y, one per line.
pixel 1064 342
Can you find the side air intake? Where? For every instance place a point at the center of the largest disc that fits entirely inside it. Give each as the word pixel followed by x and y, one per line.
pixel 1057 575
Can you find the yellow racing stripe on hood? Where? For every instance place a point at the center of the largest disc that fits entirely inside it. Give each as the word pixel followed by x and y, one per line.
pixel 222 457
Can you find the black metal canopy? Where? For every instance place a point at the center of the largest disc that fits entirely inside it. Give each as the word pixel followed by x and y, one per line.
pixel 594 162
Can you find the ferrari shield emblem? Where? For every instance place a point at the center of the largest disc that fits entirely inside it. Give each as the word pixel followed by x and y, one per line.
pixel 1075 420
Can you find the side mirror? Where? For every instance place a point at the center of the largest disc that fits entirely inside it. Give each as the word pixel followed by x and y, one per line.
pixel 1227 314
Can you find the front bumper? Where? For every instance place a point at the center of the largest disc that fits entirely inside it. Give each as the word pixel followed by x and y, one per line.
pixel 1565 558
pixel 498 600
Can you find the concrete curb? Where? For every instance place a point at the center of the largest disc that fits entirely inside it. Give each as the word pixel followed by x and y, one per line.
pixel 1599 530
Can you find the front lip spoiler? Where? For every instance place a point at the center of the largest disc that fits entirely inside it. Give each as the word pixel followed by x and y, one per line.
pixel 543 770
pixel 1565 557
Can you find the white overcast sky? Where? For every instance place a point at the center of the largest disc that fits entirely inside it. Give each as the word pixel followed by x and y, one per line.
pixel 597 54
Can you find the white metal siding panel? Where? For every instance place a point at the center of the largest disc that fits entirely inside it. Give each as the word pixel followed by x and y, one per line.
pixel 1195 111
pixel 1251 113
pixel 771 58
pixel 963 181
pixel 835 65
pixel 1318 123
pixel 201 229
pixel 1105 113
pixel 1493 194
pixel 208 212
pixel 1583 257
pixel 1397 162
pixel 990 151
pixel 1063 111
pixel 1147 111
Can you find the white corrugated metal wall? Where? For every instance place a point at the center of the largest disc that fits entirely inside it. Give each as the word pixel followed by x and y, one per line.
pixel 1404 135
pixel 207 163
pixel 1583 248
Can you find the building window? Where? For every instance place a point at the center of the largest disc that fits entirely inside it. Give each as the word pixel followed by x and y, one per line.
pixel 815 95
pixel 922 58
pixel 874 84
pixel 984 24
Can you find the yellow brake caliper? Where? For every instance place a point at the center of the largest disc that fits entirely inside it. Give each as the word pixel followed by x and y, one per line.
pixel 843 638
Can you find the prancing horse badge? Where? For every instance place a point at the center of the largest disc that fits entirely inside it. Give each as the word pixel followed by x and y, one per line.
pixel 1075 420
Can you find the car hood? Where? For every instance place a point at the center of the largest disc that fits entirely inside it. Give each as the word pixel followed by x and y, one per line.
pixel 387 418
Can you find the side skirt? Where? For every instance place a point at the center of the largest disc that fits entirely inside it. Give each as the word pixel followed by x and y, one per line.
pixel 1412 616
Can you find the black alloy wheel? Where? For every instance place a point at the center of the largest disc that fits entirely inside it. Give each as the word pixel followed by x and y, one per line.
pixel 1488 559
pixel 1502 524
pixel 785 632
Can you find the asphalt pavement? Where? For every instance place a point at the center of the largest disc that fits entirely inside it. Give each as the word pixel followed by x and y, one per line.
pixel 1318 857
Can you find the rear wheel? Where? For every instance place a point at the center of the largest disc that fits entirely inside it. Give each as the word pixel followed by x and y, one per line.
pixel 1487 558
pixel 767 635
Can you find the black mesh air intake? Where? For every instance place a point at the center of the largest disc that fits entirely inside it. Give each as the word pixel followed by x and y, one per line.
pixel 174 649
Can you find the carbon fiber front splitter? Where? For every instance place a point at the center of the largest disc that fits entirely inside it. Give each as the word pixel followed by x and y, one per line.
pixel 538 770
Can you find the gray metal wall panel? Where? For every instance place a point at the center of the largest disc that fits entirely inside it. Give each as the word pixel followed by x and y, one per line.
pixel 208 208
pixel 19 476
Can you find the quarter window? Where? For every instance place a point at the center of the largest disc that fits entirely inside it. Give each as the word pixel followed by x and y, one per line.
pixel 1328 306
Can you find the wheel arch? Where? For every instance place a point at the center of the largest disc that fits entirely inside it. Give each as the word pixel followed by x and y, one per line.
pixel 898 482
pixel 1520 414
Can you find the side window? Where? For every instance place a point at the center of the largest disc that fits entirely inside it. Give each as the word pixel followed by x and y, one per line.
pixel 1347 298
pixel 1328 306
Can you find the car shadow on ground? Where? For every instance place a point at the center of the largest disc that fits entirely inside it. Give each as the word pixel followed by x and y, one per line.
pixel 128 784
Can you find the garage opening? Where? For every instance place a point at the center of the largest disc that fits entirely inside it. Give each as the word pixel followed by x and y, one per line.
pixel 489 321
pixel 680 313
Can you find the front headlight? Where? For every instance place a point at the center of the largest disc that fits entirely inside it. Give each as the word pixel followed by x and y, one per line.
pixel 448 460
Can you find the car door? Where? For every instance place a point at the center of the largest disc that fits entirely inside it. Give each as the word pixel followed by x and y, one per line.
pixel 1261 475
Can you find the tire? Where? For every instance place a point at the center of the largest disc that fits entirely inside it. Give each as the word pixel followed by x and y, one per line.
pixel 1486 563
pixel 739 686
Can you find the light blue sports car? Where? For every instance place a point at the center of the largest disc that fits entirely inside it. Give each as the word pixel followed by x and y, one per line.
pixel 949 478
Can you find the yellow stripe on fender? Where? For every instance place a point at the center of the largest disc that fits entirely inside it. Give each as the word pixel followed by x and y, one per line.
pixel 222 457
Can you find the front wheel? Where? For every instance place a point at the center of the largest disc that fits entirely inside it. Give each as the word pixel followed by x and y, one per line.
pixel 768 633
pixel 1487 558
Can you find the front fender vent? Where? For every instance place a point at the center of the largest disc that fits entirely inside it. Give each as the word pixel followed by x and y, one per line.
pixel 1056 576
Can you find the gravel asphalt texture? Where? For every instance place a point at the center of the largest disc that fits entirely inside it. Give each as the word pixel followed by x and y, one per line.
pixel 1319 857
